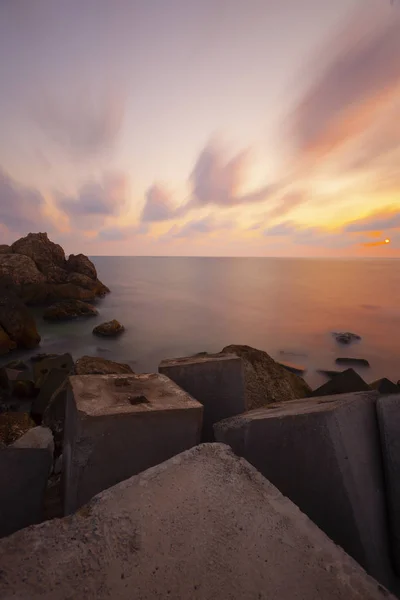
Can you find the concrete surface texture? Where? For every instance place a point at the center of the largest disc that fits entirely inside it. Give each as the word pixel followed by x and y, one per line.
pixel 37 437
pixel 23 481
pixel 204 525
pixel 324 454
pixel 388 409
pixel 119 425
pixel 215 380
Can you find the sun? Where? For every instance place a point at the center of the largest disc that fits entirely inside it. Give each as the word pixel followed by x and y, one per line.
pixel 387 241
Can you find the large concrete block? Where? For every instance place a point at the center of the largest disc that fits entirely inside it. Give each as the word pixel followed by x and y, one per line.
pixel 23 480
pixel 346 382
pixel 324 454
pixel 388 409
pixel 203 526
pixel 215 380
pixel 119 425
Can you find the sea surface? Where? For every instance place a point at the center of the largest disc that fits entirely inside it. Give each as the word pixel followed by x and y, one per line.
pixel 289 307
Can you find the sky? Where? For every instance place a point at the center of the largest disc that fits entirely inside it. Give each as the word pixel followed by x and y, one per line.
pixel 202 127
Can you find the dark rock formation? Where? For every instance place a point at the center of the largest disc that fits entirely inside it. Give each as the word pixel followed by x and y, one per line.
pixel 345 382
pixel 69 309
pixel 265 380
pixel 5 249
pixel 359 362
pixel 81 264
pixel 6 343
pixel 16 321
pixel 385 387
pixel 13 425
pixel 346 337
pixel 94 365
pixel 110 329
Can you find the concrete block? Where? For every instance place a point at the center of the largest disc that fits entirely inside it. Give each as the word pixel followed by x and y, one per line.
pixel 51 382
pixel 345 382
pixel 119 425
pixel 324 454
pixel 43 367
pixel 23 480
pixel 215 380
pixel 384 386
pixel 202 526
pixel 388 409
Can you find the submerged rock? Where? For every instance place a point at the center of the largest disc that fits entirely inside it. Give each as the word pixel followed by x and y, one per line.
pixel 110 329
pixel 69 309
pixel 266 381
pixel 346 337
pixel 94 365
pixel 360 362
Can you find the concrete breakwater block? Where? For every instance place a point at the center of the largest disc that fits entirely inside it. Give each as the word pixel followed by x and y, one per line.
pixel 204 526
pixel 215 380
pixel 324 454
pixel 23 479
pixel 119 425
pixel 346 382
pixel 388 409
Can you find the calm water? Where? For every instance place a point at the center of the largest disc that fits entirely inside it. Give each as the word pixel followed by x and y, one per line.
pixel 178 306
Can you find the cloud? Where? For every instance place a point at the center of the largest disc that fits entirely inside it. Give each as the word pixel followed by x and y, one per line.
pixel 359 81
pixel 309 236
pixel 118 234
pixel 95 200
pixel 287 203
pixel 21 208
pixel 284 228
pixel 208 224
pixel 158 206
pixel 376 221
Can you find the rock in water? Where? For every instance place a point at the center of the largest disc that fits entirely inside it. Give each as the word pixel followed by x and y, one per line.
pixel 16 320
pixel 265 380
pixel 21 269
pixel 83 265
pixel 40 249
pixel 110 329
pixel 346 337
pixel 94 365
pixel 69 309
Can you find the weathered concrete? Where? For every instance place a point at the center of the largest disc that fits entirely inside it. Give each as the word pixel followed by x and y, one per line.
pixel 203 526
pixel 345 382
pixel 23 480
pixel 42 368
pixel 37 437
pixel 324 454
pixel 51 382
pixel 388 409
pixel 215 380
pixel 119 425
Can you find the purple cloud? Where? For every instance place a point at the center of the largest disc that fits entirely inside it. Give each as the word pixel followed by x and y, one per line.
pixel 375 222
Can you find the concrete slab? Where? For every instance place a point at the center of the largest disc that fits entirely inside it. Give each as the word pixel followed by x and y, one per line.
pixel 324 454
pixel 388 409
pixel 119 425
pixel 23 479
pixel 215 380
pixel 204 525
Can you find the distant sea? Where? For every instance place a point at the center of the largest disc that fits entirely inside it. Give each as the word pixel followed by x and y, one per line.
pixel 179 306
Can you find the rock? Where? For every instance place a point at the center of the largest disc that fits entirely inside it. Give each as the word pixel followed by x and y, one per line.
pixel 24 389
pixel 204 525
pixel 345 337
pixel 42 368
pixel 81 280
pixel 37 437
pixel 293 368
pixel 345 383
pixel 359 362
pixel 18 365
pixel 69 309
pixel 329 372
pixel 6 344
pixel 13 425
pixel 385 386
pixel 16 320
pixel 110 329
pixel 42 356
pixel 21 269
pixel 94 365
pixel 266 381
pixel 5 249
pixel 46 254
pixel 81 264
pixel 9 376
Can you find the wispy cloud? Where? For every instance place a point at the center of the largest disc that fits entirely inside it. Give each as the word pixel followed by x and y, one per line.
pixel 376 221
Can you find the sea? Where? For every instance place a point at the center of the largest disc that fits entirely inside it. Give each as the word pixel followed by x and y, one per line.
pixel 174 307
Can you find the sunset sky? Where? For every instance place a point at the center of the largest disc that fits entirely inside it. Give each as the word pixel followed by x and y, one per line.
pixel 202 127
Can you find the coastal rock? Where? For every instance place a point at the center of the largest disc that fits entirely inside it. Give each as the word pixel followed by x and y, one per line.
pixel 41 250
pixel 81 264
pixel 5 249
pixel 6 344
pixel 110 329
pixel 94 365
pixel 13 425
pixel 69 309
pixel 50 384
pixel 265 380
pixel 346 337
pixel 385 387
pixel 81 280
pixel 345 382
pixel 21 269
pixel 16 320
pixel 359 362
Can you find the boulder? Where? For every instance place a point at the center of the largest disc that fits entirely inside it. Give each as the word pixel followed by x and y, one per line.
pixel 81 280
pixel 94 365
pixel 6 343
pixel 42 251
pixel 13 425
pixel 16 320
pixel 5 249
pixel 265 380
pixel 346 337
pixel 81 264
pixel 110 329
pixel 345 382
pixel 22 269
pixel 385 387
pixel 37 437
pixel 42 368
pixel 69 309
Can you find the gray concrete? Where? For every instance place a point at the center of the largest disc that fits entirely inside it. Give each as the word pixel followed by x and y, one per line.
pixel 202 526
pixel 388 409
pixel 37 437
pixel 23 481
pixel 119 425
pixel 215 380
pixel 43 367
pixel 346 382
pixel 52 381
pixel 324 454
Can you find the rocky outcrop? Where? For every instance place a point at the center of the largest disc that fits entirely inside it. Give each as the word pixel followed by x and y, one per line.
pixel 110 329
pixel 94 365
pixel 6 344
pixel 69 309
pixel 265 380
pixel 16 321
pixel 41 273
